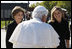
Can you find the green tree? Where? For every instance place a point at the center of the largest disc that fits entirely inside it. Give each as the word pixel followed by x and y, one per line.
pixel 66 5
pixel 46 4
pixel 33 5
pixel 38 4
pixel 50 4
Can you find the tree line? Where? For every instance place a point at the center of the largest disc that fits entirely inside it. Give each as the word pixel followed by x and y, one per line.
pixel 50 4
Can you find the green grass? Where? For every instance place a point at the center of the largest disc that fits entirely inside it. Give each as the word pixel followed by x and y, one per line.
pixel 3 23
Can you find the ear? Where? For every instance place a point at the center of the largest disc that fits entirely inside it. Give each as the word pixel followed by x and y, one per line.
pixel 43 18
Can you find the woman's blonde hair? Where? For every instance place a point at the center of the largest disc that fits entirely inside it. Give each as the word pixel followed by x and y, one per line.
pixel 17 9
pixel 52 12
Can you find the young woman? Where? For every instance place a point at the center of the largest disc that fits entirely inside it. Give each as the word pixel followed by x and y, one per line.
pixel 17 14
pixel 60 25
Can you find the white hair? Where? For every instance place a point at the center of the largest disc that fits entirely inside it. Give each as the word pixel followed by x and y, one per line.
pixel 39 11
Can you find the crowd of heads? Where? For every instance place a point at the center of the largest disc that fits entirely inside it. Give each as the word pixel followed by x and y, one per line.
pixel 40 11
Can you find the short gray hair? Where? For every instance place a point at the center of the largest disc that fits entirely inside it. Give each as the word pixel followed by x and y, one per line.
pixel 39 11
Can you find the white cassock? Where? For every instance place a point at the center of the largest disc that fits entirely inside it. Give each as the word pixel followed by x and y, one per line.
pixel 34 34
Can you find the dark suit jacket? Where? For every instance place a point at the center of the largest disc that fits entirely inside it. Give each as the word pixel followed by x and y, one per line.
pixel 10 29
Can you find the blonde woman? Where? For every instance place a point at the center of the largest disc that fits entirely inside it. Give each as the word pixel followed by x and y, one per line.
pixel 60 25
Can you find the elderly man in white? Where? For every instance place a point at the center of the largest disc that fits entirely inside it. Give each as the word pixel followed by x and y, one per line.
pixel 35 33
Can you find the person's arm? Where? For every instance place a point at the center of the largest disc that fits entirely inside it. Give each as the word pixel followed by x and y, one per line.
pixel 15 34
pixel 55 37
pixel 8 34
pixel 67 35
pixel 67 43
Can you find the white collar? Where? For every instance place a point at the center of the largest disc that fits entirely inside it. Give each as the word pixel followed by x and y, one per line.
pixel 37 19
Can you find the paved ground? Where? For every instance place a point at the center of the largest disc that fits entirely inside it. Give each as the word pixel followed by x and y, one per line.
pixel 3 36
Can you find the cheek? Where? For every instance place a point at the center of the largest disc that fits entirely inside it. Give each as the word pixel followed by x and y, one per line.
pixel 60 15
pixel 21 16
pixel 15 17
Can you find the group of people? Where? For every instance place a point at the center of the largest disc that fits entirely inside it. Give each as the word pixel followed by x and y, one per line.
pixel 36 33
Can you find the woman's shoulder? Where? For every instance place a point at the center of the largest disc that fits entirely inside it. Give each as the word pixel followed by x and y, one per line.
pixel 65 22
pixel 51 22
pixel 11 24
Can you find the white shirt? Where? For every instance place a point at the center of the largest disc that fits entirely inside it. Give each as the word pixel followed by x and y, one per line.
pixel 33 33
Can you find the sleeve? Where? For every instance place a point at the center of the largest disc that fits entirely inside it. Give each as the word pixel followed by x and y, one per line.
pixel 14 37
pixel 54 37
pixel 67 31
pixel 8 34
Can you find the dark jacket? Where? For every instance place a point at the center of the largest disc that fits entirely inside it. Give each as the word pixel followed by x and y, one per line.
pixel 63 31
pixel 10 30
